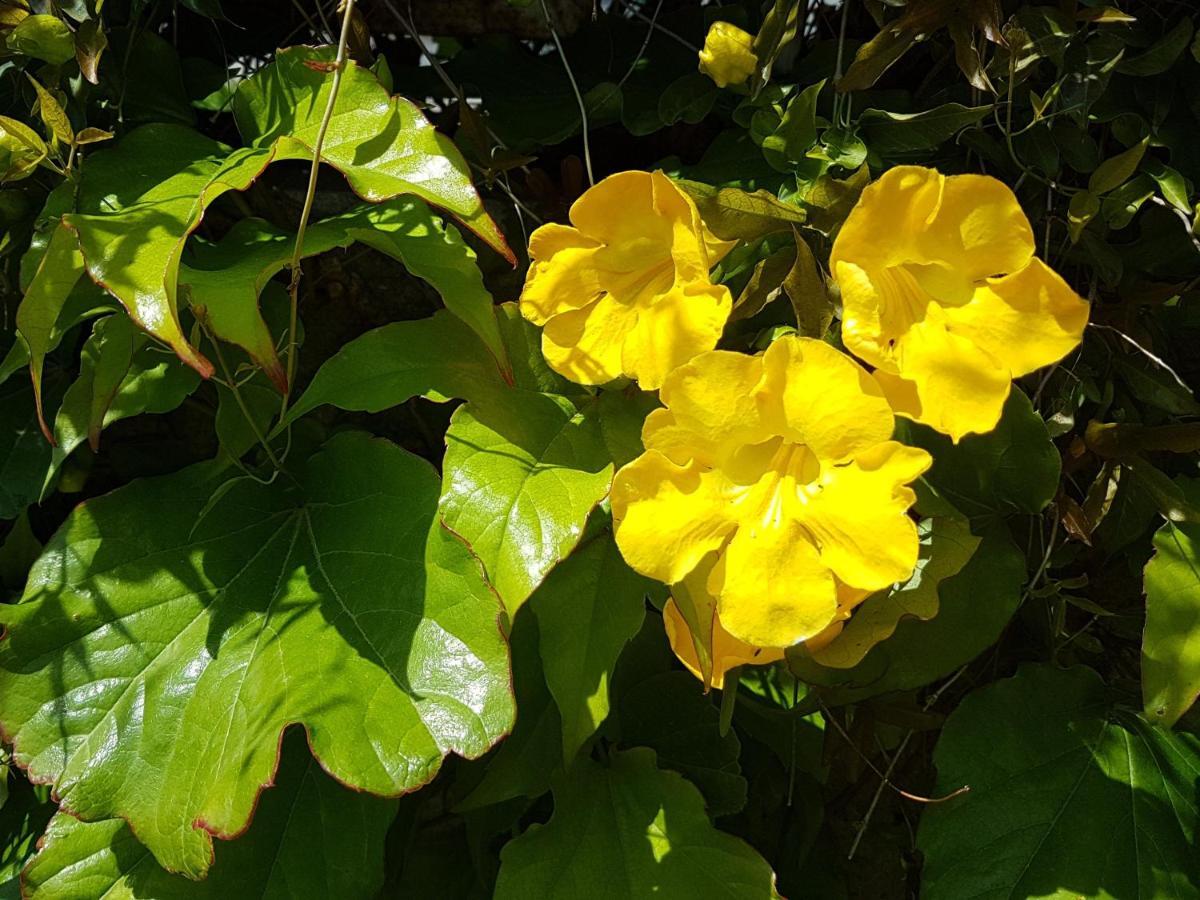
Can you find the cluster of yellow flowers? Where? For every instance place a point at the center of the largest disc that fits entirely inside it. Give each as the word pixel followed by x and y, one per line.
pixel 770 495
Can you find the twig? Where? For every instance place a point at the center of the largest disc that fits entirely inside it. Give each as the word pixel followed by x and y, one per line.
pixel 587 151
pixel 298 250
pixel 1150 356
pixel 658 26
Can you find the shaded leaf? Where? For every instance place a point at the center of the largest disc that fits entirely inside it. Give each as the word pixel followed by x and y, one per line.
pixel 1171 643
pixel 21 149
pixel 734 214
pixel 1066 799
pixel 891 133
pixel 624 830
pixel 310 835
pixel 805 287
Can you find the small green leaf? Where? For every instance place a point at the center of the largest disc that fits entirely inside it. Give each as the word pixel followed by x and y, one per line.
pixel 21 149
pixel 628 829
pixel 589 606
pixel 52 113
pixel 1162 54
pixel 1116 170
pixel 520 478
pixel 43 37
pixel 1171 183
pixel 1171 642
pixel 797 132
pixel 330 598
pixel 765 283
pixel 734 214
pixel 309 834
pixel 805 287
pixel 1083 802
pixel 892 134
pixel 90 44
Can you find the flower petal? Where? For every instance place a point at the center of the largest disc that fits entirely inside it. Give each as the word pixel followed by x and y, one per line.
pixel 859 520
pixel 883 227
pixel 946 381
pixel 675 327
pixel 620 211
pixel 824 399
pixel 711 406
pixel 584 345
pixel 667 517
pixel 727 651
pixel 979 229
pixel 773 589
pixel 1025 320
pixel 728 54
pixel 562 275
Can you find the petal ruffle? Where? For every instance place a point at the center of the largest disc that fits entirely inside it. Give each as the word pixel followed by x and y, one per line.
pixel 772 588
pixel 561 275
pixel 824 399
pixel 1025 320
pixel 672 329
pixel 859 516
pixel 584 345
pixel 666 517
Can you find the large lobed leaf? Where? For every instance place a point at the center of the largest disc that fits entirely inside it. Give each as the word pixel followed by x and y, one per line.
pixel 1068 798
pixel 310 837
pixel 151 669
pixel 628 829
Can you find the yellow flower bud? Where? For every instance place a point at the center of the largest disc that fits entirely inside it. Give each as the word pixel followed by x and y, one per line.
pixel 728 57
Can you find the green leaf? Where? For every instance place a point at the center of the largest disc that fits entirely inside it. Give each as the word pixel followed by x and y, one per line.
pixel 1171 642
pixel 974 606
pixel 688 98
pixel 226 278
pixel 1116 170
pixel 946 546
pixel 332 598
pixel 1066 799
pixel 21 149
pixel 519 481
pixel 1171 183
pixel 1014 468
pixel 805 287
pixel 310 836
pixel 766 280
pixel 734 214
pixel 121 375
pixel 382 144
pixel 589 606
pixel 438 358
pixel 892 134
pixel 52 113
pixel 24 452
pixel 670 713
pixel 1162 54
pixel 626 830
pixel 789 144
pixel 43 37
pixel 525 760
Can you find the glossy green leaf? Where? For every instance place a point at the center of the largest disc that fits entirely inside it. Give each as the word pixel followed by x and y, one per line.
pixel 973 607
pixel 332 598
pixel 310 836
pixel 1067 798
pixel 519 481
pixel 1014 468
pixel 797 132
pixel 437 358
pixel 1116 170
pixel 382 144
pixel 1171 643
pixel 53 115
pixel 589 606
pixel 670 713
pixel 892 133
pixel 43 37
pixel 226 278
pixel 628 829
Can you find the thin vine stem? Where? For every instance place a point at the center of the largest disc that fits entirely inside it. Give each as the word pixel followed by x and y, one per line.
pixel 298 250
pixel 232 384
pixel 587 150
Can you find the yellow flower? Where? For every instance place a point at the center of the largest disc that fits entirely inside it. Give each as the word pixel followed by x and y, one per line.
pixel 941 293
pixel 626 291
pixel 727 651
pixel 728 54
pixel 778 472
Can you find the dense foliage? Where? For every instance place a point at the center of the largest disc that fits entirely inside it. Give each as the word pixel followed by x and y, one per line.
pixel 545 448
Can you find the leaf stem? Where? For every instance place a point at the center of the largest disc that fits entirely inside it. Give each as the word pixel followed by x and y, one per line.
pixel 298 250
pixel 232 384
